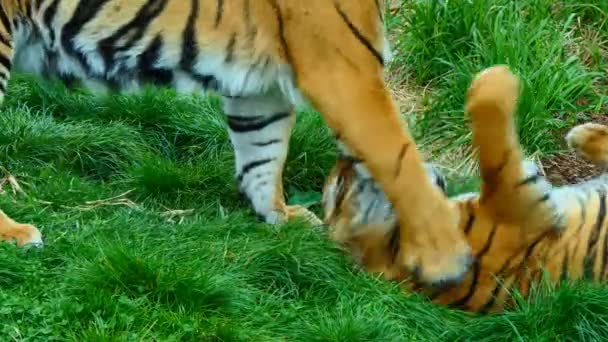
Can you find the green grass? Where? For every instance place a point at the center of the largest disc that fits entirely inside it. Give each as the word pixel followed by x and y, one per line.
pixel 129 272
pixel 446 42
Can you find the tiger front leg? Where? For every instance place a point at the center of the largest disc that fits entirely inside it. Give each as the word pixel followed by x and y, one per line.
pixel 365 119
pixel 260 129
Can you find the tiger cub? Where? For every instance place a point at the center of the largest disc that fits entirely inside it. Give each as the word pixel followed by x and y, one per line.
pixel 518 226
pixel 263 57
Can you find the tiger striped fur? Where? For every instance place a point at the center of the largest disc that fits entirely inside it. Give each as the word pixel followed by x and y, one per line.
pixel 518 226
pixel 263 58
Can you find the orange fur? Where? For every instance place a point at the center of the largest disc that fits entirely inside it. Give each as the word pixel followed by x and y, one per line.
pixel 330 53
pixel 22 234
pixel 517 226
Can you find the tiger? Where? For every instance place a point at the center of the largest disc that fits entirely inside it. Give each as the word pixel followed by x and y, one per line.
pixel 23 234
pixel 523 230
pixel 263 58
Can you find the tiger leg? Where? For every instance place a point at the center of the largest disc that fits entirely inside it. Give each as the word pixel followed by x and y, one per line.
pixel 22 234
pixel 512 190
pixel 259 129
pixel 357 105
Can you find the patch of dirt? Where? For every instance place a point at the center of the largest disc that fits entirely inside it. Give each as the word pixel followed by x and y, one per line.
pixel 568 167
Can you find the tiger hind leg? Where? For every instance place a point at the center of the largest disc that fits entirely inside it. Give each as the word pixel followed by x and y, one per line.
pixel 260 129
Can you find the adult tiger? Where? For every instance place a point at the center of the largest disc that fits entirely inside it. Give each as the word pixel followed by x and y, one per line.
pixel 518 226
pixel 263 57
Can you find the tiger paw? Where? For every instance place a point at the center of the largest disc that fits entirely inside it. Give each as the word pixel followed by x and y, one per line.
pixel 22 234
pixel 438 255
pixel 290 212
pixel 495 86
pixel 590 141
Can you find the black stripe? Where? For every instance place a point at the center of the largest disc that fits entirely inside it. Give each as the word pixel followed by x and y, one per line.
pixel 252 165
pixel 28 9
pixel 380 11
pixel 440 182
pixel 529 180
pixel 267 143
pixel 247 12
pixel 147 64
pixel 605 256
pixel 47 19
pixel 251 29
pixel 134 30
pixel 591 252
pixel 3 86
pixel 394 242
pixel 85 11
pixel 476 269
pixel 189 43
pixel 340 194
pixel 7 41
pixel 565 263
pixel 230 49
pixel 469 225
pixel 219 13
pixel 544 198
pixel 491 177
pixel 400 157
pixel 279 15
pixel 206 81
pixel 349 159
pixel 490 303
pixel 485 308
pixel 37 4
pixel 529 252
pixel 359 35
pixel 240 124
pixel 5 62
pixel 533 245
pixel 5 21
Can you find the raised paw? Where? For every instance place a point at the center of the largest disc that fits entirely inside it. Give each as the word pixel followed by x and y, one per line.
pixel 437 256
pixel 290 212
pixel 495 86
pixel 590 141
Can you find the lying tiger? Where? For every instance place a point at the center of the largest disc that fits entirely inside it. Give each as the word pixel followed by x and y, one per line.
pixel 518 226
pixel 21 233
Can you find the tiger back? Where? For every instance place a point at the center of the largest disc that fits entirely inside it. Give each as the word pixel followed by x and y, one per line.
pixel 518 225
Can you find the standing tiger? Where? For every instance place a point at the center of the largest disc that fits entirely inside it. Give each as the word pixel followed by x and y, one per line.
pixel 263 57
pixel 518 226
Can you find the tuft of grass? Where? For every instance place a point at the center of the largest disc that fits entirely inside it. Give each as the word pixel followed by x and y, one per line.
pixel 448 42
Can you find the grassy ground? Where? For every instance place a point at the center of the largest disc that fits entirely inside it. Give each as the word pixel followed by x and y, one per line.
pixel 180 257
